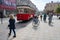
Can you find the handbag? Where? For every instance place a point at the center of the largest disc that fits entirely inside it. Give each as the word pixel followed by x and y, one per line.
pixel 9 25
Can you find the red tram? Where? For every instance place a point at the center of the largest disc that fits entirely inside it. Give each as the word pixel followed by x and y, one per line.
pixel 25 13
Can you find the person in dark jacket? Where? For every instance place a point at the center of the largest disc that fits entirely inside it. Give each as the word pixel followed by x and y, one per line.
pixel 44 18
pixel 41 17
pixel 1 16
pixel 12 26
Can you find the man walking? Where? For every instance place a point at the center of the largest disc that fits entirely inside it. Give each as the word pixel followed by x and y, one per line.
pixel 50 17
pixel 44 18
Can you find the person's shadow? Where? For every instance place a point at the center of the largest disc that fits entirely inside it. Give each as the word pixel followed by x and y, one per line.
pixel 35 27
pixel 23 24
pixel 51 25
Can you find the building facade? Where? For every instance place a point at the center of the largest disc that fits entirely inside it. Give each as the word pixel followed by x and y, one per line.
pixel 7 7
pixel 51 7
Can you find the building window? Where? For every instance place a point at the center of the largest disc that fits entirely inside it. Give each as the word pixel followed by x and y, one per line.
pixel 0 1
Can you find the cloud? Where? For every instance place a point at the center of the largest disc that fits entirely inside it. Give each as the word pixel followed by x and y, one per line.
pixel 40 4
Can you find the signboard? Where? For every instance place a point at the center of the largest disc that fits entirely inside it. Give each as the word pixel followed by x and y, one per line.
pixel 8 4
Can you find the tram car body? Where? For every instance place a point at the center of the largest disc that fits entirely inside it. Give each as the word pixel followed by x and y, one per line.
pixel 25 13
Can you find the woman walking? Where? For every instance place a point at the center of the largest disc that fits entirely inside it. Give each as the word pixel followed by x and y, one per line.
pixel 11 26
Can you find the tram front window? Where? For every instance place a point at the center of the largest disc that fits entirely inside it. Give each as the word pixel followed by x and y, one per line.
pixel 21 11
pixel 25 11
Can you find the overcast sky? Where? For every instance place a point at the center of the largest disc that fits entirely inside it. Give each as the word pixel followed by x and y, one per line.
pixel 41 3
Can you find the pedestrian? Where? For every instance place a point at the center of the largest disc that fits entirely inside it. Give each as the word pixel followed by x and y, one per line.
pixel 50 17
pixel 44 18
pixel 35 19
pixel 11 26
pixel 41 17
pixel 1 16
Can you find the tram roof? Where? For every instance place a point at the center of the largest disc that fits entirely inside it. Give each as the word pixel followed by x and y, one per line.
pixel 27 7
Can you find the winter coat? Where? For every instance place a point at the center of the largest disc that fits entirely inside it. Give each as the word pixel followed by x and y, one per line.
pixel 12 23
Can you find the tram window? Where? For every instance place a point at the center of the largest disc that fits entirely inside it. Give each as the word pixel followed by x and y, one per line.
pixel 21 10
pixel 25 11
